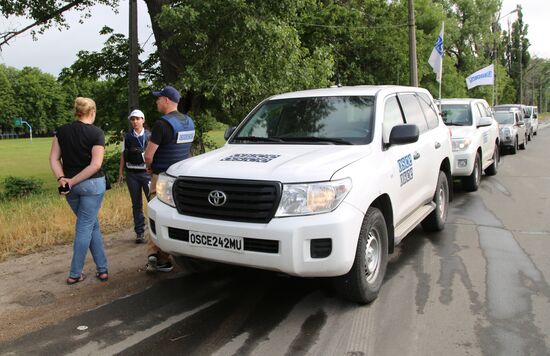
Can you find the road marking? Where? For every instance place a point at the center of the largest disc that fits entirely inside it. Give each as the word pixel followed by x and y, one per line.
pixel 95 347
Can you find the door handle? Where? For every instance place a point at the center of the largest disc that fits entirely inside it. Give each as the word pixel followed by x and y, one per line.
pixel 437 145
pixel 416 155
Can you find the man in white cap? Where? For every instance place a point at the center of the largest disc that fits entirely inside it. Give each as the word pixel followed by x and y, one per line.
pixel 132 162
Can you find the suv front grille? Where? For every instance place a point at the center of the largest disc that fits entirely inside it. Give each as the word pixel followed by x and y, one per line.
pixel 245 200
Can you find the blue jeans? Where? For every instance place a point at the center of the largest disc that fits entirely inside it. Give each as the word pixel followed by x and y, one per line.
pixel 138 182
pixel 85 200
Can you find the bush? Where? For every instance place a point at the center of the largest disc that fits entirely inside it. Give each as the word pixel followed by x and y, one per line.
pixel 110 165
pixel 17 187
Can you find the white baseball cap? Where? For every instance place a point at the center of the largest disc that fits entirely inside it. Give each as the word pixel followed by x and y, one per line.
pixel 136 113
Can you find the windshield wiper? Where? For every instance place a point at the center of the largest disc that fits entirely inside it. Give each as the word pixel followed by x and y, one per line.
pixel 327 140
pixel 456 124
pixel 258 139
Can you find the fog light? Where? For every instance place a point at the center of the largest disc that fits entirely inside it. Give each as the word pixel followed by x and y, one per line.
pixel 462 163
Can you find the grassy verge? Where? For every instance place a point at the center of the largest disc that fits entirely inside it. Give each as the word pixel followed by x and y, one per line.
pixel 53 221
pixel 38 222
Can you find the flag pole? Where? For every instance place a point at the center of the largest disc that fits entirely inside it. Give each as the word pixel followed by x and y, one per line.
pixel 441 66
pixel 436 59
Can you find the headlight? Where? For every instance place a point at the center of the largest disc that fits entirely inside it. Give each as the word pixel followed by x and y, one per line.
pixel 164 189
pixel 461 144
pixel 312 198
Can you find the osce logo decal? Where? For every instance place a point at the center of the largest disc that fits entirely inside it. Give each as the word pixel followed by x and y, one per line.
pixel 405 169
pixel 250 157
pixel 185 136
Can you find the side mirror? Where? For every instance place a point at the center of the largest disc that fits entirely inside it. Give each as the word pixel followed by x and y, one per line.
pixel 535 116
pixel 228 132
pixel 521 123
pixel 406 133
pixel 484 121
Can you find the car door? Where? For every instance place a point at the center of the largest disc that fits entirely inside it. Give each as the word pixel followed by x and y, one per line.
pixel 424 165
pixel 402 171
pixel 520 125
pixel 487 141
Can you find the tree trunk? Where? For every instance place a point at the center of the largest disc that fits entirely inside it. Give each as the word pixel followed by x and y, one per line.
pixel 170 60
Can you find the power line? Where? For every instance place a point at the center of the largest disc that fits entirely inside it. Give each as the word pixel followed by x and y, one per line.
pixel 348 27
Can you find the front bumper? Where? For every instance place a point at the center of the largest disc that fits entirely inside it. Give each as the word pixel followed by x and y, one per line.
pixel 463 163
pixel 293 235
pixel 507 139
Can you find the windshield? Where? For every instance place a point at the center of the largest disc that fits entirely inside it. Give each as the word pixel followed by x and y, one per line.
pixel 504 118
pixel 313 120
pixel 456 114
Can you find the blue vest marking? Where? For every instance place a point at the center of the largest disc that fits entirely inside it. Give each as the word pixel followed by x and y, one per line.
pixel 179 147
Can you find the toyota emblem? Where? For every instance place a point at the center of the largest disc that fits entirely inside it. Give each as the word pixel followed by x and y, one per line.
pixel 217 198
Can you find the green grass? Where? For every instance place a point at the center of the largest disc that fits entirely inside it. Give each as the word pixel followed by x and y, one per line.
pixel 217 137
pixel 21 158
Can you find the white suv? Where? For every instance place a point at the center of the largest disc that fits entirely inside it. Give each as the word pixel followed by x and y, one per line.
pixel 475 139
pixel 534 115
pixel 317 183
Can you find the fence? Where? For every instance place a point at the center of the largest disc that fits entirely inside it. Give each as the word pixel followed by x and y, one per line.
pixel 9 135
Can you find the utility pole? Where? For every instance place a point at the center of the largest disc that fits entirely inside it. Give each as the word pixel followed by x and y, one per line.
pixel 133 83
pixel 520 71
pixel 413 73
pixel 495 51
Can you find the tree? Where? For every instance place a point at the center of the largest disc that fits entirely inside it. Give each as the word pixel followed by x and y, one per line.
pixel 38 99
pixel 44 14
pixel 7 99
pixel 518 53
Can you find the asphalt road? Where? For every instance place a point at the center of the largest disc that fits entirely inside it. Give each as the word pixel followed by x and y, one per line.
pixel 477 288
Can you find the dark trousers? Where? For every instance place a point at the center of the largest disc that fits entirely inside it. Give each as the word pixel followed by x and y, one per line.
pixel 138 181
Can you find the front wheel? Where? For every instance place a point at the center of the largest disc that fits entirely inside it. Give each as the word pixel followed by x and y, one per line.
pixel 471 182
pixel 436 220
pixel 524 144
pixel 493 168
pixel 514 147
pixel 362 283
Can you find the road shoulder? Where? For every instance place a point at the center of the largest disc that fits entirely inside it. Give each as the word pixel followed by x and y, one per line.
pixel 34 295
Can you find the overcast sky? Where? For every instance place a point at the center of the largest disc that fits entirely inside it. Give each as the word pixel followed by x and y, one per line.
pixel 57 49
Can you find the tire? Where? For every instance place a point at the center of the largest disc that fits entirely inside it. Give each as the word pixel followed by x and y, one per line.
pixel 194 265
pixel 362 283
pixel 493 168
pixel 529 137
pixel 522 146
pixel 471 182
pixel 514 147
pixel 436 220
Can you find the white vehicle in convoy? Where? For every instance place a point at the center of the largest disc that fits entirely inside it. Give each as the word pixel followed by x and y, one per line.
pixel 475 139
pixel 534 115
pixel 317 183
pixel 513 134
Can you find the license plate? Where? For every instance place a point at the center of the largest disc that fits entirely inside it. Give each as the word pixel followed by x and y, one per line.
pixel 222 242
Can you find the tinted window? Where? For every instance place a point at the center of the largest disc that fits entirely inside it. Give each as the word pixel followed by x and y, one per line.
pixel 306 120
pixel 413 111
pixel 477 113
pixel 392 117
pixel 456 114
pixel 483 110
pixel 429 111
